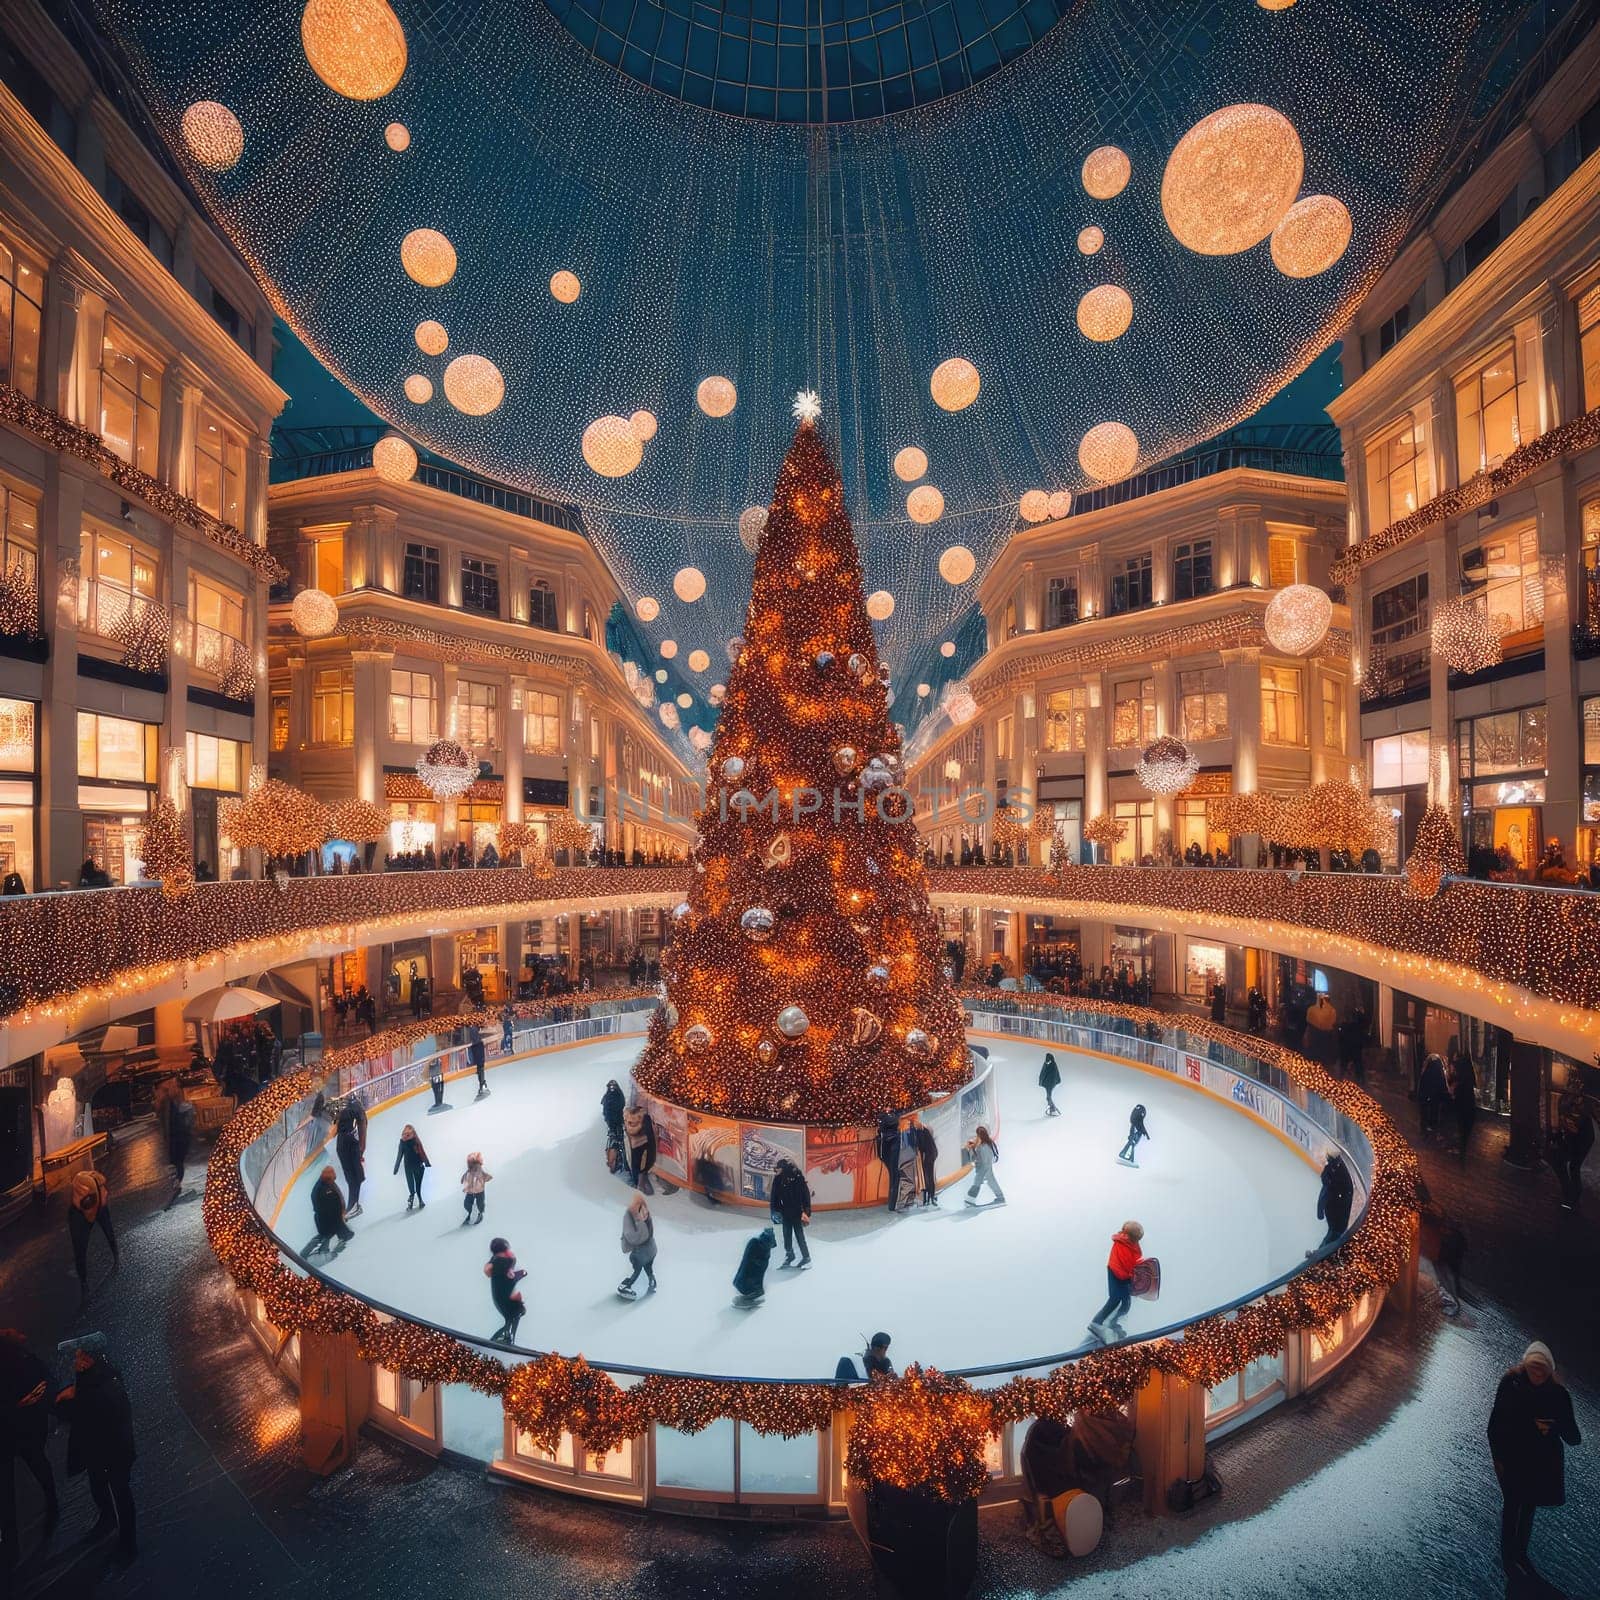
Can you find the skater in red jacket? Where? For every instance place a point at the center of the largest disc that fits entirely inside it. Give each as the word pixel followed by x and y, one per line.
pixel 1125 1256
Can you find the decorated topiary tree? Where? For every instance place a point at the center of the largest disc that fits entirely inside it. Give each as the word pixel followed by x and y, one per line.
pixel 804 980
pixel 164 850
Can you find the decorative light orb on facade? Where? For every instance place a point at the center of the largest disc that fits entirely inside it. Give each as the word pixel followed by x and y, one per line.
pixel 669 649
pixel 925 504
pixel 447 769
pixel 1464 637
pixel 473 385
pixel 314 614
pixel 398 137
pixel 419 390
pixel 646 609
pixel 752 526
pixel 1060 503
pixel 924 690
pixel 1274 5
pixel 1297 619
pixel 956 565
pixel 357 47
pixel 1109 451
pixel 1106 172
pixel 428 257
pixel 1231 178
pixel 431 338
pixel 661 674
pixel 212 135
pixel 910 464
pixel 698 661
pixel 644 426
pixel 685 700
pixel 1311 236
pixel 1034 506
pixel 1091 240
pixel 393 459
pixel 948 649
pixel 880 605
pixel 611 447
pixel 954 384
pixel 689 583
pixel 1168 766
pixel 716 396
pixel 564 286
pixel 1104 313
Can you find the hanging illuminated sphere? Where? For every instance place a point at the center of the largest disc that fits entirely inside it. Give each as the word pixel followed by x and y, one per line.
pixel 959 702
pixel 792 1022
pixel 685 700
pixel 644 426
pixel 1311 236
pixel 419 390
pixel 716 396
pixel 697 1039
pixel 668 713
pixel 956 565
pixel 1106 172
pixel 646 609
pixel 394 460
pixel 924 690
pixel 1297 619
pixel 1231 178
pixel 669 649
pixel 1464 637
pixel 428 257
pixel 432 340
pixel 757 924
pixel 752 525
pixel 1109 451
pixel 611 448
pixel 689 584
pixel 910 464
pixel 954 384
pixel 1091 240
pixel 446 769
pixel 733 769
pixel 212 135
pixel 473 385
pixel 1104 313
pixel 1060 503
pixel 948 649
pixel 717 693
pixel 876 778
pixel 880 605
pixel 357 47
pixel 878 975
pixel 314 613
pixel 1167 766
pixel 564 286
pixel 925 504
pixel 661 674
pixel 698 661
pixel 398 137
pixel 1034 506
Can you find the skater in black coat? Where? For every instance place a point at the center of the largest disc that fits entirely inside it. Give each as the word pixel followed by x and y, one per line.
pixel 504 1275
pixel 889 1153
pixel 1530 1425
pixel 352 1148
pixel 791 1206
pixel 1136 1132
pixel 928 1149
pixel 436 1080
pixel 327 1209
pixel 1335 1198
pixel 477 1054
pixel 100 1444
pixel 1049 1077
pixel 611 1104
pixel 415 1159
pixel 750 1281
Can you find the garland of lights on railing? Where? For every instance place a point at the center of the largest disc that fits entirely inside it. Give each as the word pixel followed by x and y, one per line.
pixel 924 1430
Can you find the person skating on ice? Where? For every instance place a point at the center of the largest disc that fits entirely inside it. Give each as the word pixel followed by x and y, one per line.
pixel 983 1152
pixel 436 1081
pixel 414 1158
pixel 910 1158
pixel 1125 1255
pixel 611 1107
pixel 1136 1132
pixel 328 1213
pixel 504 1275
pixel 351 1146
pixel 928 1151
pixel 472 1182
pixel 750 1281
pixel 640 1131
pixel 477 1055
pixel 1334 1199
pixel 639 1245
pixel 791 1209
pixel 1049 1077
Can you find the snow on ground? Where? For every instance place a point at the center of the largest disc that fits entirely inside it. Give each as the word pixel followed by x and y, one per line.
pixel 1226 1206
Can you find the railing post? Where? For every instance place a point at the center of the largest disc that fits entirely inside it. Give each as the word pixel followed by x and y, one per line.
pixel 1169 1419
pixel 335 1396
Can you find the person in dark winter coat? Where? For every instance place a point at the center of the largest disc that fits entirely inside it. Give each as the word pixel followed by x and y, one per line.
pixel 477 1054
pixel 1219 1002
pixel 178 1120
pixel 1464 1092
pixel 1136 1132
pixel 611 1107
pixel 508 1028
pixel 639 1245
pixel 351 1146
pixel 1431 1092
pixel 640 1131
pixel 90 1208
pixel 791 1207
pixel 100 1442
pixel 1571 1141
pixel 1049 1077
pixel 25 1399
pixel 1125 1255
pixel 327 1211
pixel 1335 1198
pixel 872 1365
pixel 436 1080
pixel 415 1159
pixel 1529 1427
pixel 504 1275
pixel 928 1150
pixel 750 1281
pixel 889 1153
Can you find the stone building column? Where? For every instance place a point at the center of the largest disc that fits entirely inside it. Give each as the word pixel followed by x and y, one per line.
pixel 1553 497
pixel 371 673
pixel 1243 669
pixel 60 533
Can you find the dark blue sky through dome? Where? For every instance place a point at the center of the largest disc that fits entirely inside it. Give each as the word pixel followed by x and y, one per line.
pixel 853 258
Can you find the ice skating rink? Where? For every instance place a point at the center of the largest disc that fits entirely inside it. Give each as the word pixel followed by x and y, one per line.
pixel 1226 1205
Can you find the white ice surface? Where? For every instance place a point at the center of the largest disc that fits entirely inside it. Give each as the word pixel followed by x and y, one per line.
pixel 1226 1207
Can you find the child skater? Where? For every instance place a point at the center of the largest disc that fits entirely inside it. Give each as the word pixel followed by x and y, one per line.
pixel 1136 1132
pixel 472 1182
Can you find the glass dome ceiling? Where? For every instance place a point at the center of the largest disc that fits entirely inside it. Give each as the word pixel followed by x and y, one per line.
pixel 808 60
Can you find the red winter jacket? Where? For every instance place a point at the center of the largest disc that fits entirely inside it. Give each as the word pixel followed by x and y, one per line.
pixel 1125 1256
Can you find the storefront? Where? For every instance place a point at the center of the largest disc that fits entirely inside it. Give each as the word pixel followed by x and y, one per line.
pixel 116 789
pixel 1422 1028
pixel 1134 948
pixel 1138 816
pixel 1189 825
pixel 215 768
pixel 1501 761
pixel 18 791
pixel 1589 814
pixel 1397 775
pixel 1205 965
pixel 1053 943
pixel 479 948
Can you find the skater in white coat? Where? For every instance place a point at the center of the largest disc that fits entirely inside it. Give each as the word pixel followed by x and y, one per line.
pixel 639 1245
pixel 983 1152
pixel 1136 1132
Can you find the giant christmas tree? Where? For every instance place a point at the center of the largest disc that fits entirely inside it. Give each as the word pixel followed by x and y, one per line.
pixel 805 979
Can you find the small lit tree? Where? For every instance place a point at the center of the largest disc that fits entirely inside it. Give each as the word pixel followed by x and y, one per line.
pixel 165 850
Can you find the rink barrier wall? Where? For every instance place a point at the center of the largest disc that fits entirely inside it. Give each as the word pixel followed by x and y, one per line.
pixel 723 1446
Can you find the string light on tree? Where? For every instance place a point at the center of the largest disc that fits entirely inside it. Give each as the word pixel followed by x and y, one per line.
pixel 1464 637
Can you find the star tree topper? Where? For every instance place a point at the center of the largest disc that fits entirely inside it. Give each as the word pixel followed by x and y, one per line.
pixel 807 407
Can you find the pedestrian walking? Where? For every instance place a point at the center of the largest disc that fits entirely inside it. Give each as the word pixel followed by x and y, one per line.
pixel 180 1135
pixel 983 1152
pixel 100 1443
pixel 1431 1092
pixel 640 1131
pixel 472 1185
pixel 90 1208
pixel 1219 1002
pixel 791 1208
pixel 1136 1132
pixel 25 1400
pixel 928 1150
pixel 328 1213
pixel 1049 1077
pixel 1464 1091
pixel 1570 1143
pixel 750 1281
pixel 639 1245
pixel 1529 1428
pixel 1335 1198
pixel 415 1159
pixel 351 1148
pixel 889 1154
pixel 1126 1254
pixel 504 1275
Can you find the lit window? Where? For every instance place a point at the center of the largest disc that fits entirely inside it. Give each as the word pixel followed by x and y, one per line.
pixel 1191 569
pixel 1589 346
pixel 333 706
pixel 115 750
pixel 1397 476
pixel 1398 761
pixel 1131 585
pixel 1282 708
pixel 130 399
pixel 116 576
pixel 219 469
pixel 477 714
pixel 1283 560
pixel 480 586
pixel 1061 601
pixel 18 719
pixel 19 543
pixel 280 723
pixel 216 763
pixel 542 722
pixel 21 318
pixel 1005 738
pixel 1133 714
pixel 413 707
pixel 216 618
pixel 1496 411
pixel 326 561
pixel 1203 704
pixel 1505 578
pixel 1399 636
pixel 1506 741
pixel 1333 698
pixel 1066 719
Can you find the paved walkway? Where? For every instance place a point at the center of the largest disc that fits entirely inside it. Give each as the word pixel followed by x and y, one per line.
pixel 1380 1481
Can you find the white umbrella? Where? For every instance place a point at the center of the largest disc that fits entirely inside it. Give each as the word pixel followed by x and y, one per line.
pixel 223 1005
